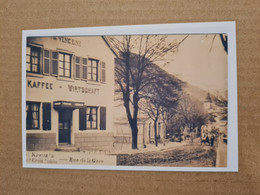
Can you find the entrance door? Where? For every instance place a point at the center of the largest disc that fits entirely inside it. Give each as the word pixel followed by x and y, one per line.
pixel 65 117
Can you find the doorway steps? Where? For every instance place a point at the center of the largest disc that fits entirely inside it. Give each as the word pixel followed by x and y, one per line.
pixel 67 148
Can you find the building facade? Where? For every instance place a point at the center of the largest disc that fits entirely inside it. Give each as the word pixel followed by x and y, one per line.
pixel 208 108
pixel 146 134
pixel 69 93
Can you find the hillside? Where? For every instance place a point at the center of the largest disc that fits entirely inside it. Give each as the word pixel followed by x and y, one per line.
pixel 196 93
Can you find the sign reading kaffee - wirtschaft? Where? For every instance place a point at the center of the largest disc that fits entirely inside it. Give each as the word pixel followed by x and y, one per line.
pixel 71 88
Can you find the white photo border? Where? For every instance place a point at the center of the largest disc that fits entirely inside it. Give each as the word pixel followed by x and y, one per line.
pixel 228 28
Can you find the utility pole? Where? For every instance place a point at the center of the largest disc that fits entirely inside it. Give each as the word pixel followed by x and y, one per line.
pixel 144 135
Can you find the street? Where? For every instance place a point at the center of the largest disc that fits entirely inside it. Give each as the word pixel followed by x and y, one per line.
pixel 221 160
pixel 190 154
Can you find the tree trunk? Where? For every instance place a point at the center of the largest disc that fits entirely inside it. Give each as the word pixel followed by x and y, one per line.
pixel 144 132
pixel 133 126
pixel 224 42
pixel 134 136
pixel 155 133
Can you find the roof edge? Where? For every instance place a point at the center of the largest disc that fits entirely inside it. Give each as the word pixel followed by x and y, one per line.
pixel 110 47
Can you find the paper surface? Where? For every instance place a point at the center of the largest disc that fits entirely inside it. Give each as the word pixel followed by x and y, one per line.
pixel 181 73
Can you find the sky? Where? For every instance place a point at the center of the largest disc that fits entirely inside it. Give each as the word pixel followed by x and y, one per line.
pixel 200 61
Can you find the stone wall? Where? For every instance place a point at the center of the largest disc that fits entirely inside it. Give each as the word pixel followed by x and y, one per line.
pixel 40 141
pixel 94 141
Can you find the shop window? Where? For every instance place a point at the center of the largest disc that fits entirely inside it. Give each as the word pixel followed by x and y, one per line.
pixel 33 59
pixel 32 115
pixel 65 65
pixel 91 117
pixel 93 70
pixel 46 116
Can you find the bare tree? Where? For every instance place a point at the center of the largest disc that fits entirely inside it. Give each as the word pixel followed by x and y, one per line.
pixel 189 114
pixel 222 103
pixel 160 96
pixel 224 41
pixel 135 55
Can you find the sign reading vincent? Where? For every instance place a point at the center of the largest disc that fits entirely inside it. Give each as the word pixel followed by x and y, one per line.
pixel 68 40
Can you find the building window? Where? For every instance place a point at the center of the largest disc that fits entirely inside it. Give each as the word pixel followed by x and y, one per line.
pixel 88 118
pixel 32 115
pixel 91 117
pixel 93 70
pixel 65 65
pixel 33 59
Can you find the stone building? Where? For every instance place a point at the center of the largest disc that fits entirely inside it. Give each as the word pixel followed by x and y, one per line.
pixel 146 135
pixel 69 93
pixel 208 104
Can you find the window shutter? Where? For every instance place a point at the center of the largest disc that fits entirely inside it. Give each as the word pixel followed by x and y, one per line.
pixel 89 77
pixel 77 72
pixel 28 115
pixel 82 119
pixel 41 63
pixel 102 118
pixel 46 61
pixel 73 66
pixel 46 113
pixel 84 68
pixel 55 59
pixel 99 71
pixel 103 72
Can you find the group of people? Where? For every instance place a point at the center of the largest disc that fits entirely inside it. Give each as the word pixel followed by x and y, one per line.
pixel 206 136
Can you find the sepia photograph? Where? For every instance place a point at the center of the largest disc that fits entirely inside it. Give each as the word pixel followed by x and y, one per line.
pixel 131 100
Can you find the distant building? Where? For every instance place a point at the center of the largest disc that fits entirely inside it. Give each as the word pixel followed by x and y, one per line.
pixel 69 93
pixel 208 107
pixel 146 135
pixel 214 111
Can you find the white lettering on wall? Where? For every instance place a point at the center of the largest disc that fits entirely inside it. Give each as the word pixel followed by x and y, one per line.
pixel 79 89
pixel 38 84
pixel 68 41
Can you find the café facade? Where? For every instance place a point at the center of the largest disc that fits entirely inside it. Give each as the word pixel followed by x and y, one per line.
pixel 69 93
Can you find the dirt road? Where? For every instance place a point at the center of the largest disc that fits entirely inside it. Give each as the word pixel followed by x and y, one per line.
pixel 189 155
